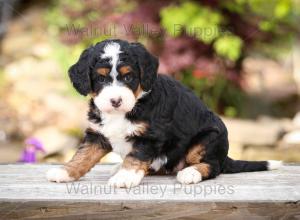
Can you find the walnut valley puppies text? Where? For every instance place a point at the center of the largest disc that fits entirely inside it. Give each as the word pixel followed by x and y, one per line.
pixel 151 190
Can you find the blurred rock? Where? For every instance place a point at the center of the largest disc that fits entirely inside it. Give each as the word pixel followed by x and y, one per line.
pixel 37 99
pixel 10 152
pixel 296 120
pixel 36 92
pixel 235 150
pixel 271 153
pixel 296 63
pixel 24 32
pixel 291 139
pixel 258 81
pixel 264 139
pixel 41 50
pixel 55 140
pixel 70 113
pixel 249 132
pixel 285 123
pixel 3 136
pixel 30 68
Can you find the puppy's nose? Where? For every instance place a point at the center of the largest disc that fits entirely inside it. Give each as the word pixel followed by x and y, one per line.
pixel 116 102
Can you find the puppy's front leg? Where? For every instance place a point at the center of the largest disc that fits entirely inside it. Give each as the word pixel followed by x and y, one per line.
pixel 89 153
pixel 131 173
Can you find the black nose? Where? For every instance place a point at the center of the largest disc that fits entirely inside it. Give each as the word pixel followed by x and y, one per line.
pixel 116 102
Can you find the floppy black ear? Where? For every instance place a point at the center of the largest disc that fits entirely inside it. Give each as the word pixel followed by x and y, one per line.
pixel 148 65
pixel 79 73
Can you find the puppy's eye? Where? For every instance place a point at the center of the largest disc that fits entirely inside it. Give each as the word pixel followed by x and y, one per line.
pixel 102 79
pixel 127 78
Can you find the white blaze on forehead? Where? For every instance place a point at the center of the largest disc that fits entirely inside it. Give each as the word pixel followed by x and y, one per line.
pixel 112 51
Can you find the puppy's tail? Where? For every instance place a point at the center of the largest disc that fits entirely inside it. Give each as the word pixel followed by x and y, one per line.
pixel 238 166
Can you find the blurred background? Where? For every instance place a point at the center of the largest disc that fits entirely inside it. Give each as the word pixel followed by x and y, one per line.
pixel 241 57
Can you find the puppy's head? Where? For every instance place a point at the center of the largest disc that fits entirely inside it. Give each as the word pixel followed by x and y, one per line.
pixel 116 73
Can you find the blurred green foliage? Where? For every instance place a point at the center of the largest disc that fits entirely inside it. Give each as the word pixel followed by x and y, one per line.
pixel 231 29
pixel 207 24
pixel 269 28
pixel 198 21
pixel 66 57
pixel 229 46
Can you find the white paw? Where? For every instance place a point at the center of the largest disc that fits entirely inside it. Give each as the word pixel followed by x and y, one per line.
pixel 189 175
pixel 59 175
pixel 126 178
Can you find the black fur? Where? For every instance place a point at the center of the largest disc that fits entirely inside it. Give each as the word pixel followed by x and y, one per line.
pixel 148 65
pixel 93 137
pixel 94 115
pixel 79 73
pixel 85 79
pixel 177 119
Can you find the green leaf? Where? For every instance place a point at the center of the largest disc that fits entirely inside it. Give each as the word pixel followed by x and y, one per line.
pixel 230 112
pixel 229 46
pixel 282 9
pixel 173 18
pixel 266 25
pixel 196 20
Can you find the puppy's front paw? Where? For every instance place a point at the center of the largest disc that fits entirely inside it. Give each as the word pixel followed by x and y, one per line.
pixel 189 175
pixel 59 175
pixel 126 178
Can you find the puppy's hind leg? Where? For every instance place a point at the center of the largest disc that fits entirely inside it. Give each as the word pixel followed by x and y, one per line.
pixel 198 172
pixel 202 160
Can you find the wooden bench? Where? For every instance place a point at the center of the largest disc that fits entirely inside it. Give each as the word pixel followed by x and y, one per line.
pixel 25 193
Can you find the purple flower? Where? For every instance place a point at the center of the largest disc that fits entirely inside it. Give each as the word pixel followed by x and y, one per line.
pixel 32 146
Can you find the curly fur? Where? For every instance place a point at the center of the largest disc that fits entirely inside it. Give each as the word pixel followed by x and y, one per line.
pixel 174 122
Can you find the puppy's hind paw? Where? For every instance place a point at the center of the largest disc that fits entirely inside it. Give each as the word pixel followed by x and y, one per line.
pixel 189 175
pixel 59 175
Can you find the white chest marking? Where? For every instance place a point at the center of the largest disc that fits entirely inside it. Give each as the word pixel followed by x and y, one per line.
pixel 158 163
pixel 116 127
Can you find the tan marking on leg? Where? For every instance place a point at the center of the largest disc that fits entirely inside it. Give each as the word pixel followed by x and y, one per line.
pixel 195 154
pixel 203 168
pixel 85 158
pixel 132 163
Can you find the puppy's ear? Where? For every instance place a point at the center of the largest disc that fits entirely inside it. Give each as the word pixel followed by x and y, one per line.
pixel 148 65
pixel 79 73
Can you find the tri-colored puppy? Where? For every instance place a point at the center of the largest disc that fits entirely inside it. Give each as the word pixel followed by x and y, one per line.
pixel 151 120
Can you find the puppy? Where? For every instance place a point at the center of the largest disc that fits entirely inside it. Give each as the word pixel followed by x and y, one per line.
pixel 152 121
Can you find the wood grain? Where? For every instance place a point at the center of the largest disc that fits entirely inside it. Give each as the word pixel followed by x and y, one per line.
pixel 26 194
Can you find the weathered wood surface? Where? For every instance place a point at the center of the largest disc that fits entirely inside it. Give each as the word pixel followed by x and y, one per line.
pixel 25 193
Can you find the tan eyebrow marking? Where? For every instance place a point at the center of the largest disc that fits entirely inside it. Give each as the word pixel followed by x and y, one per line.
pixel 124 70
pixel 103 71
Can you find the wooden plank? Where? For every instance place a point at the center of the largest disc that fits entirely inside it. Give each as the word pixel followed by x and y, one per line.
pixel 29 182
pixel 148 210
pixel 25 193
